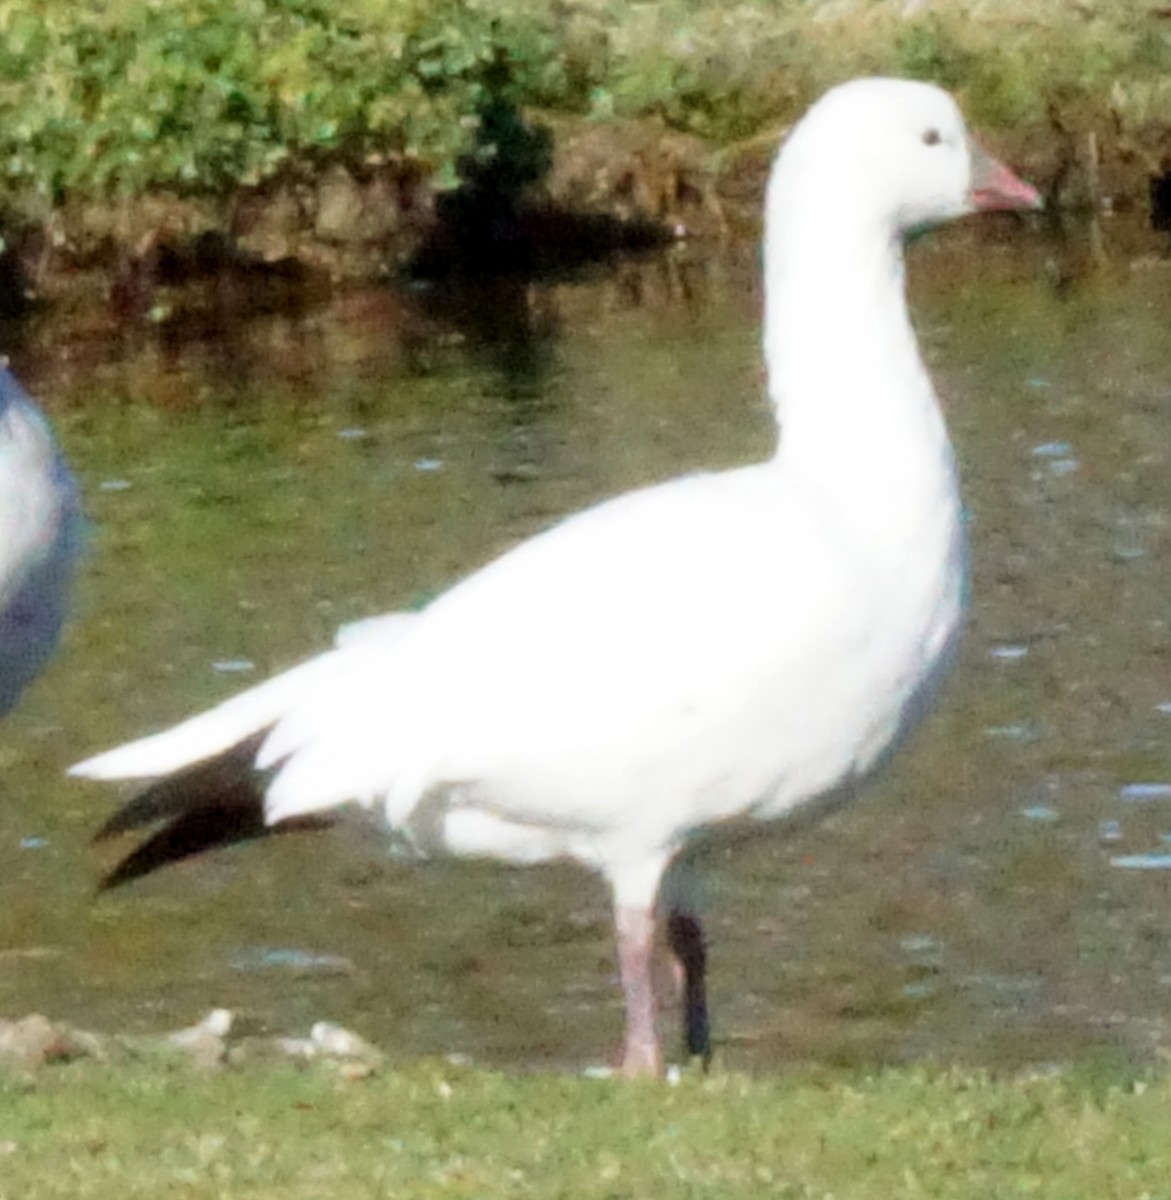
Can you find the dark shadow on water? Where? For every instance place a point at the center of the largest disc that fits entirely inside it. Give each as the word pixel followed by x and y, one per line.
pixel 497 222
pixel 507 325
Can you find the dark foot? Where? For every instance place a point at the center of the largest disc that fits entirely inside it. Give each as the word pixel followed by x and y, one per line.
pixel 685 936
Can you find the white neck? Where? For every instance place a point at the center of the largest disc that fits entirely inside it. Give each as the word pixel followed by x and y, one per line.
pixel 854 402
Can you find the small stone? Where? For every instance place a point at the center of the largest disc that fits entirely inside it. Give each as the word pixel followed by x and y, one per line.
pixel 334 1041
pixel 31 1042
pixel 203 1044
pixel 349 213
pixel 217 1023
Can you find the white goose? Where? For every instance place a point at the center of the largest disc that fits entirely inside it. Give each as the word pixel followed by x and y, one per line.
pixel 723 645
pixel 40 530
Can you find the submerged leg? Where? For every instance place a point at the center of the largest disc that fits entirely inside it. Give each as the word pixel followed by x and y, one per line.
pixel 685 936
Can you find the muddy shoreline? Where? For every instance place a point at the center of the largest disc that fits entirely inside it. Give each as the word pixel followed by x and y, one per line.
pixel 611 187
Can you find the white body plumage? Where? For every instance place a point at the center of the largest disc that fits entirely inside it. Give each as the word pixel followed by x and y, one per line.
pixel 719 646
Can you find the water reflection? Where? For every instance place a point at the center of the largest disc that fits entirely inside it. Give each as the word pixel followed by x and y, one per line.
pixel 252 490
pixel 508 325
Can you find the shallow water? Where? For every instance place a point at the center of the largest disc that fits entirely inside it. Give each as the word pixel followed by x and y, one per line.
pixel 255 485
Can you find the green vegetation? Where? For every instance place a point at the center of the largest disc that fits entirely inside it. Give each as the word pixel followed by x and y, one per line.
pixel 122 96
pixel 130 94
pixel 87 1133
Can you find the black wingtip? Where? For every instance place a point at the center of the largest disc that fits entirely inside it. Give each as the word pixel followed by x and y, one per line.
pixel 214 803
pixel 211 828
pixel 228 781
pixel 192 833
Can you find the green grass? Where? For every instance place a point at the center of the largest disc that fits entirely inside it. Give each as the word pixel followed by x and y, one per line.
pixel 87 1132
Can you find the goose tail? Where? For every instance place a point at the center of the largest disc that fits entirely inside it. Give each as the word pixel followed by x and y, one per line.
pixel 207 789
pixel 212 733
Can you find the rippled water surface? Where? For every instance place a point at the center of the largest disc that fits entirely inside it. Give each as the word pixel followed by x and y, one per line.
pixel 253 486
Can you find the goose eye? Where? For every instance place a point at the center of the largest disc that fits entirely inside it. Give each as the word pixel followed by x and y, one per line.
pixel 931 137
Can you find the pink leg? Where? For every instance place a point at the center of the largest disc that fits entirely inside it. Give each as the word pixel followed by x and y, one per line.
pixel 641 1054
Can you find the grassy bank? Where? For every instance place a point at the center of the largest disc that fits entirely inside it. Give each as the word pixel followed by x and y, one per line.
pixel 127 95
pixel 87 1133
pixel 152 144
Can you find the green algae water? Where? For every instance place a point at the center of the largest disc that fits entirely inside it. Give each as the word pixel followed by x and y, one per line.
pixel 257 482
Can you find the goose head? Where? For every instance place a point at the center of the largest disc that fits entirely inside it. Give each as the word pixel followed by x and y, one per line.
pixel 900 145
